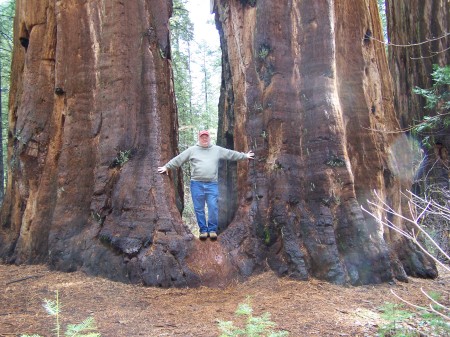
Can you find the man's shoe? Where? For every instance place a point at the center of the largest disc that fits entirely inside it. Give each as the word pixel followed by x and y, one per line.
pixel 203 236
pixel 213 236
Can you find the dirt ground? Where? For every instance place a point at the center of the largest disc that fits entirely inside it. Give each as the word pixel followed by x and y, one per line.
pixel 312 308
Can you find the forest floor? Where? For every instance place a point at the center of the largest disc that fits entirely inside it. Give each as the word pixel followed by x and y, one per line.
pixel 303 308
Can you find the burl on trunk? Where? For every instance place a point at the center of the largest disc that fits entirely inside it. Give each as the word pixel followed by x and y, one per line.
pixel 93 115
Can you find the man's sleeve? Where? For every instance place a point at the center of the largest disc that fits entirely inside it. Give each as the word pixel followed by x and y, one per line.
pixel 231 155
pixel 178 160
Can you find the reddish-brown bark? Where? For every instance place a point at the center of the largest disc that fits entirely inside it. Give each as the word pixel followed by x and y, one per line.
pixel 94 83
pixel 312 96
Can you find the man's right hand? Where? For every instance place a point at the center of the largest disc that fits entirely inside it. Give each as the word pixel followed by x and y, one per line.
pixel 163 169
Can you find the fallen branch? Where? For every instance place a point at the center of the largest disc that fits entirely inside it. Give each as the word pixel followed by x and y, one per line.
pixel 24 279
pixel 409 303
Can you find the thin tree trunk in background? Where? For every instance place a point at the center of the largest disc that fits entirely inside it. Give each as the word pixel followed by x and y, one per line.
pixel 411 24
pixel 205 78
pixel 190 76
pixel 2 168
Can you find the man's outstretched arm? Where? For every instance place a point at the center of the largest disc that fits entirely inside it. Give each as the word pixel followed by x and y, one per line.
pixel 175 162
pixel 234 155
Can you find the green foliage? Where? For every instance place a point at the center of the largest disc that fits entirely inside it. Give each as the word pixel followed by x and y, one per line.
pixel 383 18
pixel 266 235
pixel 438 102
pixel 335 161
pixel 257 107
pixel 403 323
pixel 394 315
pixel 255 326
pixel 181 35
pixel 122 158
pixel 205 107
pixel 265 67
pixel 432 130
pixel 195 66
pixel 277 166
pixel 438 96
pixel 435 295
pixel 7 10
pixel 435 323
pixel 264 51
pixel 84 329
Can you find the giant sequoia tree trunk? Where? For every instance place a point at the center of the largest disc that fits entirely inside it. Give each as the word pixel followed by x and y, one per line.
pixel 311 95
pixel 419 33
pixel 93 115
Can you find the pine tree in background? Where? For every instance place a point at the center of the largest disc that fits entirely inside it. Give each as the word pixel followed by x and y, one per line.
pixel 182 35
pixel 6 45
pixel 382 10
pixel 197 67
pixel 209 60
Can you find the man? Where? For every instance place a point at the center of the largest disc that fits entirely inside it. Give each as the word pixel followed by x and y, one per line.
pixel 204 160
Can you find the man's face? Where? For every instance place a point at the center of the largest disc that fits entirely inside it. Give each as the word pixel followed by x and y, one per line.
pixel 204 140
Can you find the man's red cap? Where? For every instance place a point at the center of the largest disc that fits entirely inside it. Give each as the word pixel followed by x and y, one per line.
pixel 203 132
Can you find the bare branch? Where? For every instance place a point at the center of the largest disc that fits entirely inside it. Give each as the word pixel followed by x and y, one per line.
pixel 441 208
pixel 424 308
pixel 415 222
pixel 409 44
pixel 409 303
pixel 433 300
pixel 433 54
pixel 439 313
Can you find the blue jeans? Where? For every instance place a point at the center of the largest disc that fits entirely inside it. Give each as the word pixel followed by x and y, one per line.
pixel 201 192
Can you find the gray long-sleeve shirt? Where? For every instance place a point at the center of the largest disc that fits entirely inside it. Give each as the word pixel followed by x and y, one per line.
pixel 204 160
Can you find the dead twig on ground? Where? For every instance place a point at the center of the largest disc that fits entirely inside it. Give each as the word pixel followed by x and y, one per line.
pixel 23 279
